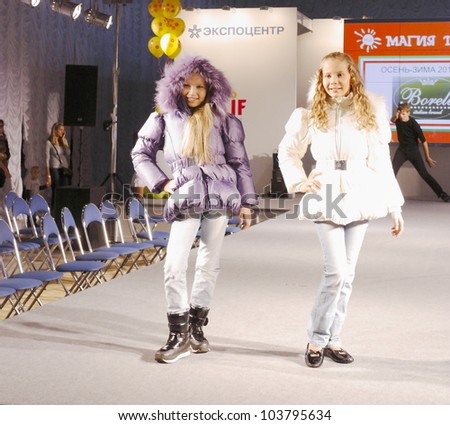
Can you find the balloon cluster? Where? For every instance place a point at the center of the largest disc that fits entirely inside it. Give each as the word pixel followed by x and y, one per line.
pixel 166 27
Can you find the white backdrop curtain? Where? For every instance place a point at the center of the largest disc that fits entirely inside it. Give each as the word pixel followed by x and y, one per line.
pixel 36 44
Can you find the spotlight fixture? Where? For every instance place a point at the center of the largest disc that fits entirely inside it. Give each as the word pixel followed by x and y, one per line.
pixel 93 16
pixel 33 3
pixel 67 8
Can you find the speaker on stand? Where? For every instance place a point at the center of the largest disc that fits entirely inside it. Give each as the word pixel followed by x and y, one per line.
pixel 277 185
pixel 75 198
pixel 80 100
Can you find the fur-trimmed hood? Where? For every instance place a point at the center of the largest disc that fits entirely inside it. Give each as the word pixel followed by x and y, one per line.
pixel 168 89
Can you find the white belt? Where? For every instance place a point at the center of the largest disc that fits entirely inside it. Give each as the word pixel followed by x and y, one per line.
pixel 340 164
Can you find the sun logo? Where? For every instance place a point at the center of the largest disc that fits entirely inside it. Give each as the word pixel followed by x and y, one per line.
pixel 368 41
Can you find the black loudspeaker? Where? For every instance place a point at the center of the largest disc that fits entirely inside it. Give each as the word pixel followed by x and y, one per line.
pixel 277 186
pixel 75 198
pixel 80 95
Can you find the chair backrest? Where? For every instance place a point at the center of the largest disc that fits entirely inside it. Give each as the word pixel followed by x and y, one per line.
pixel 71 230
pixel 20 208
pixel 38 205
pixel 7 238
pixel 135 208
pixel 138 216
pixel 6 234
pixel 110 212
pixel 90 215
pixel 50 231
pixel 9 199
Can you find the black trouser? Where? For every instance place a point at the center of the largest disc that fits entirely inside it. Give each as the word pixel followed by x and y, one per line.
pixel 415 158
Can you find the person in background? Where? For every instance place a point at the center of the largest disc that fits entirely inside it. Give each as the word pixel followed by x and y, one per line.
pixel 348 133
pixel 4 155
pixel 410 136
pixel 32 182
pixel 211 178
pixel 57 155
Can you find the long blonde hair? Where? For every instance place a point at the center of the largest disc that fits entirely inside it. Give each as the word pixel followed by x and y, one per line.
pixel 365 116
pixel 56 140
pixel 197 135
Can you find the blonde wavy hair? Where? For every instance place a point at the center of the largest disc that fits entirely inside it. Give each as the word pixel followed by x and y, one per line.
pixel 197 135
pixel 364 113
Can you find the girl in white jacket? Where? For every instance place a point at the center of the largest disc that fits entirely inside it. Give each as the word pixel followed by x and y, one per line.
pixel 348 133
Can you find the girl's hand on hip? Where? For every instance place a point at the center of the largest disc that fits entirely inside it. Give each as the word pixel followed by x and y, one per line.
pixel 168 187
pixel 311 184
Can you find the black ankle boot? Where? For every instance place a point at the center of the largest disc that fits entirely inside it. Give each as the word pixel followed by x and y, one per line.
pixel 177 345
pixel 197 319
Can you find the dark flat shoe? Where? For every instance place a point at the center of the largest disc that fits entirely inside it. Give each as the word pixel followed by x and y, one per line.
pixel 313 358
pixel 338 355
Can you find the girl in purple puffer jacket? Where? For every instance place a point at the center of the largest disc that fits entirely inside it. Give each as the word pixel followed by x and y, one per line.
pixel 211 178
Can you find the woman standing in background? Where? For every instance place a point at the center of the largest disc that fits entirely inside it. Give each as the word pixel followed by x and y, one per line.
pixel 57 154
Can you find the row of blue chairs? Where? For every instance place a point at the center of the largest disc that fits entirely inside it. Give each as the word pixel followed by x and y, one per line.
pixel 32 240
pixel 44 246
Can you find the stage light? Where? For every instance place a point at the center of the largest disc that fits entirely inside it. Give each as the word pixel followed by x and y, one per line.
pixel 95 17
pixel 33 3
pixel 67 8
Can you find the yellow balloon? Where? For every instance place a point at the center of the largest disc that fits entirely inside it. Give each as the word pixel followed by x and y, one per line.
pixel 176 26
pixel 155 9
pixel 171 8
pixel 154 46
pixel 169 44
pixel 176 52
pixel 159 26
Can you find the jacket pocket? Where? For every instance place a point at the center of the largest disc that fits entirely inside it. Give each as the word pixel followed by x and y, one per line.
pixel 223 195
pixel 189 197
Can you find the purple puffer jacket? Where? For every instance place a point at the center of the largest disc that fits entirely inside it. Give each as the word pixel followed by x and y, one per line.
pixel 226 184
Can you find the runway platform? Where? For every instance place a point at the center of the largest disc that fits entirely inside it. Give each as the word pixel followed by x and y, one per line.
pixel 97 347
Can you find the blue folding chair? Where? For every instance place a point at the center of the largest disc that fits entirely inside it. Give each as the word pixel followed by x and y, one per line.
pixel 31 284
pixel 22 219
pixel 73 236
pixel 140 222
pixel 38 207
pixel 18 292
pixel 9 199
pixel 84 273
pixel 92 217
pixel 46 276
pixel 6 295
pixel 110 213
pixel 26 231
pixel 140 228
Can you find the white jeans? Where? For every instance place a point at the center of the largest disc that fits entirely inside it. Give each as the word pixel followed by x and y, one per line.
pixel 182 236
pixel 340 248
